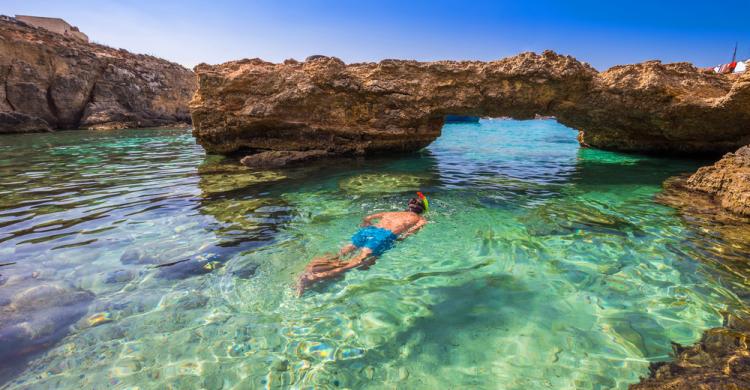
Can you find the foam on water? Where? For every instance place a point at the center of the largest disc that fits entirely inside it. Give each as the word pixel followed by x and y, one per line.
pixel 543 265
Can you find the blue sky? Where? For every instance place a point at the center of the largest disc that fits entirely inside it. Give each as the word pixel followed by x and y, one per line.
pixel 599 32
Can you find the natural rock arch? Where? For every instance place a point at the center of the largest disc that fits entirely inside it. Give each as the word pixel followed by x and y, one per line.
pixel 396 105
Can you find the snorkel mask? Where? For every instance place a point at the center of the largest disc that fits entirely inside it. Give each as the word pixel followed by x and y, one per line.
pixel 424 200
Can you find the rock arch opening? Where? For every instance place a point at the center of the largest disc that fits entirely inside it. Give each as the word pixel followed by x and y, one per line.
pixel 333 108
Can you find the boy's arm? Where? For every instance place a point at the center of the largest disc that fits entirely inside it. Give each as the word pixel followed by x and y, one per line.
pixel 413 229
pixel 366 220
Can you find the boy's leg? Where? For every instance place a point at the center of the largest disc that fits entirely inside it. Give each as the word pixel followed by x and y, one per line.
pixel 327 262
pixel 361 259
pixel 323 268
pixel 341 267
pixel 322 263
pixel 347 249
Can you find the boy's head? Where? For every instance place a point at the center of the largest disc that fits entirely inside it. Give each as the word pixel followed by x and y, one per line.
pixel 416 206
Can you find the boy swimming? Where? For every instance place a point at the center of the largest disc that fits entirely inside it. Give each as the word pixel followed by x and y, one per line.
pixel 371 240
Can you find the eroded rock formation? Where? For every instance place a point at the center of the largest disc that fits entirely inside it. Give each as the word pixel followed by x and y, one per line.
pixel 728 181
pixel 393 105
pixel 49 81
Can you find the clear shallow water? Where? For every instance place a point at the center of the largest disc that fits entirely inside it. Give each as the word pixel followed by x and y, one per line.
pixel 544 266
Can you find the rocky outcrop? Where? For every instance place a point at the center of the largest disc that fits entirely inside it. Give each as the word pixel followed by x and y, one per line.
pixel 728 181
pixel 712 208
pixel 16 122
pixel 720 360
pixel 394 105
pixel 50 81
pixel 705 216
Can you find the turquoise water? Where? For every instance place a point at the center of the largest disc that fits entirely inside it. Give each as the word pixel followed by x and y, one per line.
pixel 543 266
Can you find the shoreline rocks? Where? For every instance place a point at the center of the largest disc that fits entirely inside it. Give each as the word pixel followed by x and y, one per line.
pixel 16 122
pixel 727 181
pixel 720 360
pixel 395 106
pixel 711 204
pixel 49 81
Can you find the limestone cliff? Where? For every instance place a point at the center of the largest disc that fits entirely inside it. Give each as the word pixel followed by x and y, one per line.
pixel 323 104
pixel 49 81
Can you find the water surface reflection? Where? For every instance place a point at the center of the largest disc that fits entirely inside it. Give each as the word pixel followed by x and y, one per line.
pixel 543 265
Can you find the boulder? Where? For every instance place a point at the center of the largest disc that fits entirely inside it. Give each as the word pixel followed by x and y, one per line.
pixel 245 271
pixel 36 314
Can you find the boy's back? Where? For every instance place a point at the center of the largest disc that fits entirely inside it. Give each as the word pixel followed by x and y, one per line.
pixel 397 221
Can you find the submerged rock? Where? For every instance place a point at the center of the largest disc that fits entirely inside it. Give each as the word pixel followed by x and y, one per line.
pixel 213 183
pixel 565 218
pixel 400 105
pixel 119 276
pixel 192 301
pixel 275 159
pixel 720 360
pixel 188 268
pixel 381 183
pixel 137 256
pixel 728 181
pixel 246 271
pixel 50 81
pixel 37 314
pixel 719 235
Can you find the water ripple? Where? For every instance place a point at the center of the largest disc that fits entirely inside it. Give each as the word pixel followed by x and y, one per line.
pixel 543 266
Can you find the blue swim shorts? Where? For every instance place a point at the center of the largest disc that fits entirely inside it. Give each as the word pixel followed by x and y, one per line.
pixel 376 239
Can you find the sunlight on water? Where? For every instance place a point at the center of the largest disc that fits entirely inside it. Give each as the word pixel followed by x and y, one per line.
pixel 139 262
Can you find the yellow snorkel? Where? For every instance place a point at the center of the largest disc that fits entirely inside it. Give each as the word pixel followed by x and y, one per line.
pixel 424 200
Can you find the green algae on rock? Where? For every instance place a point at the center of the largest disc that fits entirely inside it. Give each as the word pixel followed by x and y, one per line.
pixel 381 182
pixel 280 158
pixel 219 175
